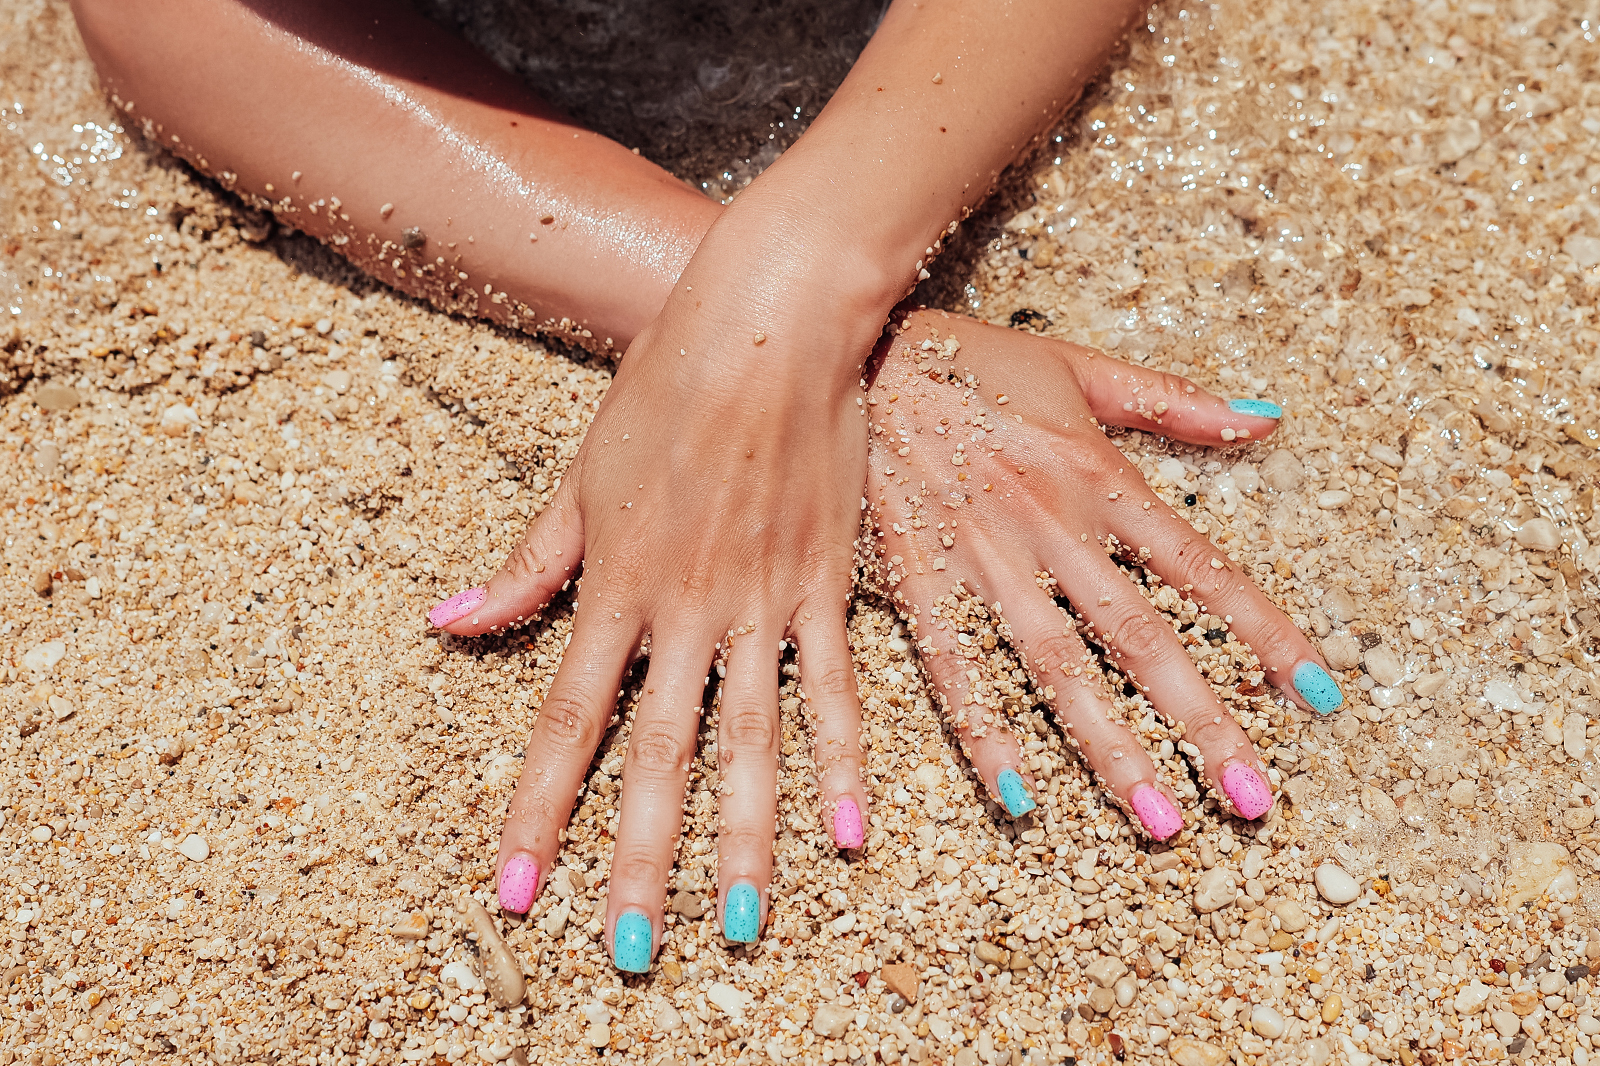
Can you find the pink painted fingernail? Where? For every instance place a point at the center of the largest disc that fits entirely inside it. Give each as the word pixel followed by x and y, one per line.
pixel 1250 794
pixel 457 607
pixel 1156 812
pixel 518 879
pixel 847 824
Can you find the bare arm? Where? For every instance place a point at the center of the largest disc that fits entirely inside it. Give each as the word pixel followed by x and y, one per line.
pixel 361 121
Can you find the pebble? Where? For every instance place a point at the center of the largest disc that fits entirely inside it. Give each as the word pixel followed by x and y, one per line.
pixel 1384 665
pixel 1470 1000
pixel 44 658
pixel 502 769
pixel 1506 1023
pixel 991 954
pixel 1332 1007
pixel 195 848
pixel 412 927
pixel 176 419
pixel 728 999
pixel 461 975
pixel 337 380
pixel 1336 886
pixel 1267 1023
pixel 688 904
pixel 502 973
pixel 1282 471
pixel 1126 989
pixel 901 979
pixel 1533 865
pixel 1333 499
pixel 1105 970
pixel 1339 604
pixel 668 1020
pixel 1187 1052
pixel 1214 890
pixel 41 833
pixel 554 924
pixel 1462 794
pixel 55 397
pixel 1291 916
pixel 832 1021
pixel 598 1035
pixel 1539 534
pixel 1102 1000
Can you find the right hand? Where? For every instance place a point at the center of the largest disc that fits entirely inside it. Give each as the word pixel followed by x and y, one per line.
pixel 1041 491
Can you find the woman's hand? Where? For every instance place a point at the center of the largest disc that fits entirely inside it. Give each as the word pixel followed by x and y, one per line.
pixel 714 506
pixel 1002 480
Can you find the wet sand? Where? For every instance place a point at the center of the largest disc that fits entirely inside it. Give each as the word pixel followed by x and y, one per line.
pixel 247 794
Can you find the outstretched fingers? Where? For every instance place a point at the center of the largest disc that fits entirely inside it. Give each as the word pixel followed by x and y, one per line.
pixel 569 727
pixel 1121 394
pixel 828 677
pixel 1064 669
pixel 544 559
pixel 1141 643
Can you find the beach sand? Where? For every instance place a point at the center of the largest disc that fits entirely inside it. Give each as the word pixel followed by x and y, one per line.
pixel 247 794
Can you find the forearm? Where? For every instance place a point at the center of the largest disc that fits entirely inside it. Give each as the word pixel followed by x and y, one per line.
pixel 945 96
pixel 369 127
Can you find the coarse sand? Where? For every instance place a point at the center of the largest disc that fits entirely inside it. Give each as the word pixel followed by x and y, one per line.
pixel 247 796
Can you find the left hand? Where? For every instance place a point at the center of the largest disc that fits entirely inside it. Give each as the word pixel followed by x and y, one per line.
pixel 1005 481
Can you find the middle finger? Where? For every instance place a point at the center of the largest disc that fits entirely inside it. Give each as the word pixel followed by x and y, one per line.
pixel 660 750
pixel 747 765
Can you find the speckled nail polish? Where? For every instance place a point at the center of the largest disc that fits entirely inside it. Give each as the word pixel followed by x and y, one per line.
pixel 1258 408
pixel 457 607
pixel 1317 688
pixel 847 831
pixel 630 942
pixel 1250 795
pixel 1156 812
pixel 1014 793
pixel 518 880
pixel 741 913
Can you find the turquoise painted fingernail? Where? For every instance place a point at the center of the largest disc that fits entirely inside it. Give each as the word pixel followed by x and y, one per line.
pixel 741 913
pixel 1259 408
pixel 1319 690
pixel 630 942
pixel 1014 794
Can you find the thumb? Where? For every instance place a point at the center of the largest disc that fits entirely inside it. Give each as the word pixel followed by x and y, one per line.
pixel 542 562
pixel 1121 394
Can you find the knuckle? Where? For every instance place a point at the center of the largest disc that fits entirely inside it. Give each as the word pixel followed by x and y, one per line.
pixel 524 562
pixel 1057 652
pixel 658 752
pixel 1138 634
pixel 1215 735
pixel 744 841
pixel 750 727
pixel 567 723
pixel 1192 563
pixel 641 866
pixel 834 681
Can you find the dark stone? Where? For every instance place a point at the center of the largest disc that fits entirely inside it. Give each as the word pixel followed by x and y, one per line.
pixel 412 238
pixel 1576 973
pixel 1028 318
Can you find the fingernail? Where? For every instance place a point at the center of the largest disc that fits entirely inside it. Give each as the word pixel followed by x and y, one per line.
pixel 1014 793
pixel 518 878
pixel 847 831
pixel 1259 408
pixel 630 942
pixel 1156 812
pixel 741 913
pixel 1250 794
pixel 1319 690
pixel 456 607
